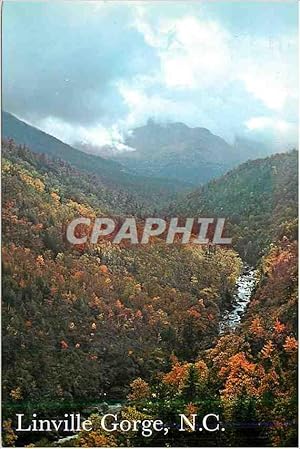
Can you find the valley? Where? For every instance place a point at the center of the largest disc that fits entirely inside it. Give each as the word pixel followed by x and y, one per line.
pixel 245 285
pixel 149 200
pixel 163 328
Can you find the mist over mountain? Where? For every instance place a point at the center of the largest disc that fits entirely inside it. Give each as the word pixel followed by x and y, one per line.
pixel 41 142
pixel 173 153
pixel 251 149
pixel 156 288
pixel 138 135
pixel 175 150
pixel 145 190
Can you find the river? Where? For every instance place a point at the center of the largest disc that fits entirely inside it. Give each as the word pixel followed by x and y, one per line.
pixel 231 318
pixel 245 286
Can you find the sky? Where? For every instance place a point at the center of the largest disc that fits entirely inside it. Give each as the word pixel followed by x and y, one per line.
pixel 91 71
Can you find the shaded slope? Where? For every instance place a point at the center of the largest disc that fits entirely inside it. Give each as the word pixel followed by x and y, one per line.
pixel 113 174
pixel 257 198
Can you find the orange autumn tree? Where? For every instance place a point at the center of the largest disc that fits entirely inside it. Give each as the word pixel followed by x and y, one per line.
pixel 183 375
pixel 139 390
pixel 242 377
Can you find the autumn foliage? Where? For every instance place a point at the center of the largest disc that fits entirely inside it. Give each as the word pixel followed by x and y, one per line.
pixel 141 324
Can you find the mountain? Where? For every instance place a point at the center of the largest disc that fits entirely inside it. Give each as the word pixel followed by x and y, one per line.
pixel 179 152
pixel 250 149
pixel 147 190
pixel 79 186
pixel 258 198
pixel 41 142
pixel 139 324
pixel 164 158
pixel 83 321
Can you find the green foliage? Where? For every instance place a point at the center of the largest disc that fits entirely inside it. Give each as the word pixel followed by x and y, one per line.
pixel 142 322
pixel 78 324
pixel 258 199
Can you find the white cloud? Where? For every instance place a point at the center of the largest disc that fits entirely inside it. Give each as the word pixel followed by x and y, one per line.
pixel 172 62
pixel 98 135
pixel 268 69
pixel 268 122
pixel 270 90
pixel 196 53
pixel 280 133
pixel 142 106
pixel 200 56
pixel 193 53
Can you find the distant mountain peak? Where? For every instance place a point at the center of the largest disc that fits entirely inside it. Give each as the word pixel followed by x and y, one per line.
pixel 171 150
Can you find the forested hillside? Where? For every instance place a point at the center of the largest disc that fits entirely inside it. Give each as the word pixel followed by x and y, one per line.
pixel 258 199
pixel 140 324
pixel 175 151
pixel 249 376
pixel 147 190
pixel 80 324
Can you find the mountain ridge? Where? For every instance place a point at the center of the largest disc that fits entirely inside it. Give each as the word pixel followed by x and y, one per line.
pixel 184 153
pixel 172 153
pixel 257 198
pixel 112 172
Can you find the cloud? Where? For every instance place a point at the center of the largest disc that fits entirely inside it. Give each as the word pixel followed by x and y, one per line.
pixel 280 132
pixel 97 135
pixel 268 122
pixel 64 62
pixel 192 52
pixel 91 71
pixel 269 70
